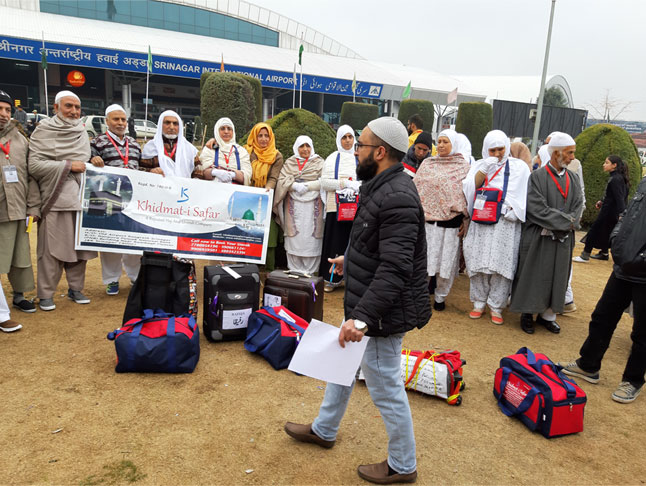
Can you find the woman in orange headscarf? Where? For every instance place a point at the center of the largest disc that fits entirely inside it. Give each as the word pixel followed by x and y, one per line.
pixel 266 162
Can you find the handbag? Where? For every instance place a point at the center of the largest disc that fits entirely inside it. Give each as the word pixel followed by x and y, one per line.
pixel 531 387
pixel 157 343
pixel 488 201
pixel 274 333
pixel 437 373
pixel 347 206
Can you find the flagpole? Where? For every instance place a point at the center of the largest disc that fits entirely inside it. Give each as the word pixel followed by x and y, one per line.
pixel 294 96
pixel 300 96
pixel 45 76
pixel 146 103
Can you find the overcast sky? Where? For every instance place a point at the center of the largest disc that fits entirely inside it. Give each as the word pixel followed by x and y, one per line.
pixel 597 45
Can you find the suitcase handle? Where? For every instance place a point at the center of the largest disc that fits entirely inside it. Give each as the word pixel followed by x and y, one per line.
pixel 538 364
pixel 522 406
pixel 295 273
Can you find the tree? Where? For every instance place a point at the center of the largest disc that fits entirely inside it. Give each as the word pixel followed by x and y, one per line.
pixel 227 95
pixel 474 120
pixel 357 115
pixel 422 108
pixel 555 97
pixel 609 108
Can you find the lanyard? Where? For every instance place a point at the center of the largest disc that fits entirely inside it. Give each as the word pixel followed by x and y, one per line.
pixel 172 154
pixel 494 176
pixel 6 148
pixel 125 159
pixel 558 186
pixel 301 167
pixel 217 157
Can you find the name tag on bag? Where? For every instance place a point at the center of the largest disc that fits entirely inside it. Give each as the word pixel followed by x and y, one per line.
pixel 347 207
pixel 10 173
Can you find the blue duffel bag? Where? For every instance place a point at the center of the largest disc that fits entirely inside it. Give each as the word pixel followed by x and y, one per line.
pixel 157 343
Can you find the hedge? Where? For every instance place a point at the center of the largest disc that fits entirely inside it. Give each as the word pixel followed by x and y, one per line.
pixel 227 95
pixel 422 108
pixel 357 115
pixel 289 125
pixel 593 145
pixel 474 120
pixel 197 131
pixel 257 93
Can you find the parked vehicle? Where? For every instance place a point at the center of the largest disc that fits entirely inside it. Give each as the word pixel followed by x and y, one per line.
pixel 145 128
pixel 94 125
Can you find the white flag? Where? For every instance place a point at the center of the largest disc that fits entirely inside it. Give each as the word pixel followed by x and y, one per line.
pixel 452 96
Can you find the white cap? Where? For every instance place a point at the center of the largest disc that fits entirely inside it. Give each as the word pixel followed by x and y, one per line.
pixel 112 108
pixel 391 131
pixel 559 140
pixel 63 94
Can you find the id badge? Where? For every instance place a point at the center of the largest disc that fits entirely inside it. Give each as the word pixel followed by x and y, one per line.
pixel 10 173
pixel 479 203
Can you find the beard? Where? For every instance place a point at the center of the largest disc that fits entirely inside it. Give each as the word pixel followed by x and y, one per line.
pixel 170 137
pixel 367 169
pixel 71 121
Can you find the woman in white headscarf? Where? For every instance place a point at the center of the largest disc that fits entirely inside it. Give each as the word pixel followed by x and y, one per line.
pixel 169 153
pixel 463 147
pixel 339 176
pixel 439 184
pixel 298 204
pixel 491 250
pixel 226 161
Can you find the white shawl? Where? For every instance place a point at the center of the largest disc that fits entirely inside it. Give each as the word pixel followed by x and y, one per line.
pixel 184 156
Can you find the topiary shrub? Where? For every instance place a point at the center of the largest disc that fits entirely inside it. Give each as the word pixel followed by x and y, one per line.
pixel 289 125
pixel 423 108
pixel 203 78
pixel 357 115
pixel 474 120
pixel 593 145
pixel 226 94
pixel 257 94
pixel 198 129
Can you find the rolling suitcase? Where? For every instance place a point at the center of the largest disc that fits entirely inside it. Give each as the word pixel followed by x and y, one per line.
pixel 231 294
pixel 300 293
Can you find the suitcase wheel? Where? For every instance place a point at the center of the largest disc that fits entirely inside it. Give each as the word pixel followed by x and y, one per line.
pixel 463 385
pixel 458 402
pixel 212 336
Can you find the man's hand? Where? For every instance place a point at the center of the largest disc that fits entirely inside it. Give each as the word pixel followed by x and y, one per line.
pixel 77 166
pixel 97 161
pixel 337 264
pixel 349 333
pixel 157 170
pixel 211 144
pixel 35 218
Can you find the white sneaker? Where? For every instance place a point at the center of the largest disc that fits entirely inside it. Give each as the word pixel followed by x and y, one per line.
pixel 580 260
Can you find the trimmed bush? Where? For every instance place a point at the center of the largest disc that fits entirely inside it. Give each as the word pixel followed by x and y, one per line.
pixel 357 115
pixel 226 94
pixel 197 138
pixel 474 120
pixel 257 94
pixel 423 108
pixel 289 125
pixel 203 78
pixel 593 145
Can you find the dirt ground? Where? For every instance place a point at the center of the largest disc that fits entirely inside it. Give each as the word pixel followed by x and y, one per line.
pixel 68 418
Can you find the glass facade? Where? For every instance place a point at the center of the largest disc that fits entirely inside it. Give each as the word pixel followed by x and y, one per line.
pixel 162 15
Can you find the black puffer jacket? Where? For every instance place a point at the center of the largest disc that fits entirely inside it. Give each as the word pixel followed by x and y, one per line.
pixel 629 239
pixel 385 264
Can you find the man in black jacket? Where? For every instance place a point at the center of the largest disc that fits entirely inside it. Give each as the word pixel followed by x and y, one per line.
pixel 626 284
pixel 385 296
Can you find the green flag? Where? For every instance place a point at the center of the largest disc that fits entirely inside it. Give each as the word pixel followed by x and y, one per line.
pixel 406 93
pixel 150 60
pixel 43 58
pixel 300 54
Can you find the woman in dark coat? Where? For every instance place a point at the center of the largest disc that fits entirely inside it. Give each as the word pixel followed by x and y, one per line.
pixel 612 205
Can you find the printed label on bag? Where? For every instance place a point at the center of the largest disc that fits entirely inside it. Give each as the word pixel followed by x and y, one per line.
pixel 516 390
pixel 286 316
pixel 270 300
pixel 235 319
pixel 479 203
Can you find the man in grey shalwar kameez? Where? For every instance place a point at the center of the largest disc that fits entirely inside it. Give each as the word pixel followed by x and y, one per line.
pixel 554 201
pixel 58 151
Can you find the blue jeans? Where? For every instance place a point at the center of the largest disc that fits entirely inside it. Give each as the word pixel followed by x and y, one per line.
pixel 381 367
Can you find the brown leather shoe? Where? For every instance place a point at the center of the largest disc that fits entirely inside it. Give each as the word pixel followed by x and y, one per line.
pixel 10 326
pixel 378 473
pixel 304 433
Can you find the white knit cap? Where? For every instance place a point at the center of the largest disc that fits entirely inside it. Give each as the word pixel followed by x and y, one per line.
pixel 560 139
pixel 112 108
pixel 63 94
pixel 391 131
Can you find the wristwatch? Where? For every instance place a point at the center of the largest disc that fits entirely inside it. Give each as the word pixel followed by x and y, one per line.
pixel 360 326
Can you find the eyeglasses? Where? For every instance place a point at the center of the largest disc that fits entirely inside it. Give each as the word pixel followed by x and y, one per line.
pixel 358 145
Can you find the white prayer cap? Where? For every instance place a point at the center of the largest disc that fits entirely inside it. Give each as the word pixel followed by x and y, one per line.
pixel 65 93
pixel 112 108
pixel 391 131
pixel 560 140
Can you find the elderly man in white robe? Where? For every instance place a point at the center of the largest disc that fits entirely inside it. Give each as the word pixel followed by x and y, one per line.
pixel 58 151
pixel 169 153
pixel 491 248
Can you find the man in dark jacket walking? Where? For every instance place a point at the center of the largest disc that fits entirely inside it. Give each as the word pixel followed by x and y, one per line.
pixel 386 296
pixel 626 284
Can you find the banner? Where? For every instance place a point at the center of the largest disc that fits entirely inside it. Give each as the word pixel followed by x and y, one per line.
pixel 129 211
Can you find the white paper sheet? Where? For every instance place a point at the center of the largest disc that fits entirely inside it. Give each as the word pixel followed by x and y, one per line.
pixel 272 300
pixel 235 319
pixel 319 355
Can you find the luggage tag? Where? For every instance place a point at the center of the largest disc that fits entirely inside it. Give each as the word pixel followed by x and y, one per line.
pixel 232 272
pixel 10 173
pixel 479 203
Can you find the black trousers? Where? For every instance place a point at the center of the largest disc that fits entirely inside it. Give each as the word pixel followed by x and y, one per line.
pixel 615 298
